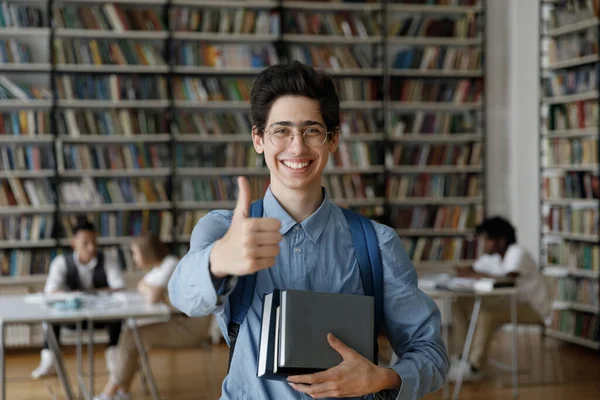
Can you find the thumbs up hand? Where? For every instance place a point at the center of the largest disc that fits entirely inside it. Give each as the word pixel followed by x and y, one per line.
pixel 250 244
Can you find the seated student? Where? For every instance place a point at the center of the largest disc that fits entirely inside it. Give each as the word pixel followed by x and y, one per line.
pixel 85 269
pixel 502 257
pixel 304 243
pixel 151 254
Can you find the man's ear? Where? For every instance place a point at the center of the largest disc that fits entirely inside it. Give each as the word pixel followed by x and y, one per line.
pixel 258 140
pixel 334 140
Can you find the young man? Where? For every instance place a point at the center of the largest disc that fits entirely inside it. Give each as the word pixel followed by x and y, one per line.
pixel 502 257
pixel 85 269
pixel 304 243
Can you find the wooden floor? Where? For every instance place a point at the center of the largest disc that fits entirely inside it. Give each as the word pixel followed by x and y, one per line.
pixel 197 373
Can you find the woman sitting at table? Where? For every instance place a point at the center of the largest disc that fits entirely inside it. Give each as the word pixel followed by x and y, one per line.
pixel 180 331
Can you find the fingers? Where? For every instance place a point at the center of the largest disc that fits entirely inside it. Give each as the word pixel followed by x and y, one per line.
pixel 319 391
pixel 339 346
pixel 264 238
pixel 242 207
pixel 313 379
pixel 271 250
pixel 262 225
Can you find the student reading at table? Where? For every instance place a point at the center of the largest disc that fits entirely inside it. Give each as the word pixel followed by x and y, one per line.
pixel 150 254
pixel 502 257
pixel 304 242
pixel 85 269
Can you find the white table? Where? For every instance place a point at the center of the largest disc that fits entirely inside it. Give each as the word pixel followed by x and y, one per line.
pixel 447 296
pixel 16 309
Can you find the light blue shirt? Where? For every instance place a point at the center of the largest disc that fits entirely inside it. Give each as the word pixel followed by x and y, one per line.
pixel 315 255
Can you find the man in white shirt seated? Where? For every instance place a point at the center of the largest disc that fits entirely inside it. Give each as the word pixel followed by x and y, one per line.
pixel 502 257
pixel 85 269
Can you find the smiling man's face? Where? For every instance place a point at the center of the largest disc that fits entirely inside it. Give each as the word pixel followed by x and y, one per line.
pixel 297 166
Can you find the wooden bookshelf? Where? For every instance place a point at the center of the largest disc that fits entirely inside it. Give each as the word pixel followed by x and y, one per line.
pixel 569 198
pixel 155 100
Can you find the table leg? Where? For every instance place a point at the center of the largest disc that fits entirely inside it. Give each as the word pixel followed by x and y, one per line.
pixel 467 348
pixel 58 361
pixel 144 359
pixel 2 366
pixel 78 350
pixel 91 389
pixel 515 361
pixel 446 306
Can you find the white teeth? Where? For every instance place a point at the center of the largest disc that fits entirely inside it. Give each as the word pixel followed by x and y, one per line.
pixel 294 165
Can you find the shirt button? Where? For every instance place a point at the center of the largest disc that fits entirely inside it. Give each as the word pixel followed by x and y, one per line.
pixel 297 249
pixel 297 228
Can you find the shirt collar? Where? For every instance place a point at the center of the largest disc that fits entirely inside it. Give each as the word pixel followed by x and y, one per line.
pixel 313 226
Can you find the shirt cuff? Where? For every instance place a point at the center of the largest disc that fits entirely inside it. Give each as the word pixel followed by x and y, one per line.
pixel 410 378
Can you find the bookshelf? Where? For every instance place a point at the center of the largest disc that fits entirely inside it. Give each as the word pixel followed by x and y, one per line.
pixel 569 196
pixel 142 107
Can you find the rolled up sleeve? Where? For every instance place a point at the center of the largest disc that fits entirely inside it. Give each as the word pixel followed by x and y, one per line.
pixel 412 323
pixel 191 288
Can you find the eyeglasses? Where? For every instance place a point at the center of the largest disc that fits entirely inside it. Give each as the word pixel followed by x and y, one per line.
pixel 283 136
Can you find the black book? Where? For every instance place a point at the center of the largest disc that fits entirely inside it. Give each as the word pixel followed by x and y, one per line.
pixel 294 328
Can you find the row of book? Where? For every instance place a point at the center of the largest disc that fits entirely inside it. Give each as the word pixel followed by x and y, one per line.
pixel 26 192
pixel 437 90
pixel 218 189
pixel 583 291
pixel 459 155
pixel 24 122
pixel 575 255
pixel 122 223
pixel 572 219
pixel 572 46
pixel 11 51
pixel 25 262
pixel 439 58
pixel 10 90
pixel 108 17
pixel 336 58
pixel 225 20
pixel 433 185
pixel 217 155
pixel 26 227
pixel 223 56
pixel 436 122
pixel 88 192
pixel 571 185
pixel 111 122
pixel 142 121
pixel 238 89
pixel 15 157
pixel 571 151
pixel 425 249
pixel 114 157
pixel 436 217
pixel 457 26
pixel 19 16
pixel 111 87
pixel 343 23
pixel 573 115
pixel 570 82
pixel 107 52
pixel 576 323
pixel 570 12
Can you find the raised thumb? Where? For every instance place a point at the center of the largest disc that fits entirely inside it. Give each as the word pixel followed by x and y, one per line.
pixel 242 207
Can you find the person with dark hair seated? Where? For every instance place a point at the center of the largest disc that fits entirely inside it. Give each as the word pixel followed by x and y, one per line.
pixel 502 257
pixel 85 269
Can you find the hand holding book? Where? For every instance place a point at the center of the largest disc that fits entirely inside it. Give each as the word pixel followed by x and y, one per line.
pixel 250 244
pixel 355 376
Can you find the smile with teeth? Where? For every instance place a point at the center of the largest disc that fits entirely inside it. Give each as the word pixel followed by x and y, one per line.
pixel 296 165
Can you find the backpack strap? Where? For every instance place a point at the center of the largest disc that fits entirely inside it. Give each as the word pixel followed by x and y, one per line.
pixel 240 299
pixel 366 247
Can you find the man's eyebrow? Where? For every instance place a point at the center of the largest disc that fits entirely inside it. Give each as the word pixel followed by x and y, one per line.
pixel 304 123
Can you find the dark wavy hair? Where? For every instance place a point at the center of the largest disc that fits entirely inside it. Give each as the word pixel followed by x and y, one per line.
pixel 295 79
